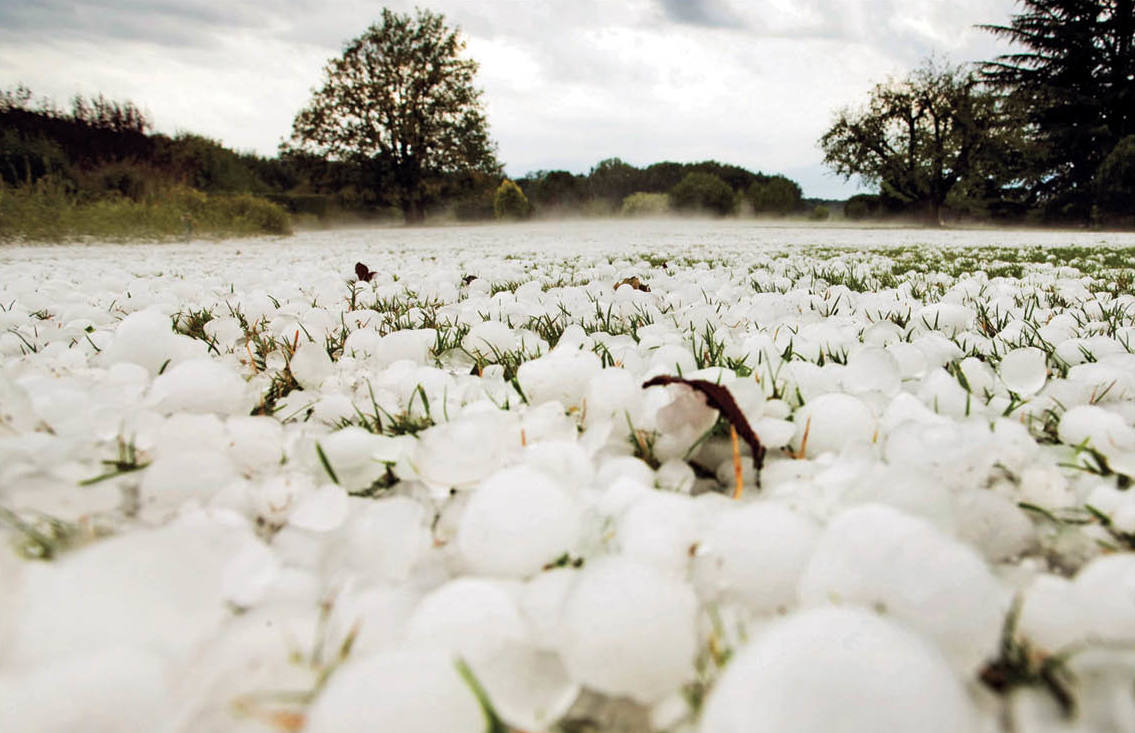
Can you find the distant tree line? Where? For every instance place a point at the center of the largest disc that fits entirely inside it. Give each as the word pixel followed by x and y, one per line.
pixel 1043 133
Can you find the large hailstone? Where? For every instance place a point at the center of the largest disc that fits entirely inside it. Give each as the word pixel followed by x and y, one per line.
pixel 878 557
pixel 404 691
pixel 147 338
pixel 518 521
pixel 629 629
pixel 201 385
pixel 113 690
pixel 755 555
pixel 831 422
pixel 1024 370
pixel 837 671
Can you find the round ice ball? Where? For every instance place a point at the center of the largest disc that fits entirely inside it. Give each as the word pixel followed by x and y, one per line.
pixel 1024 370
pixel 311 365
pixel 872 369
pixel 832 421
pixel 879 557
pixel 405 691
pixel 756 555
pixel 629 629
pixel 837 671
pixel 518 521
pixel 201 385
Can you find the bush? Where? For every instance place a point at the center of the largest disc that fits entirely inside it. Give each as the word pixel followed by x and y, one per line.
pixel 510 202
pixel 704 192
pixel 646 204
pixel 820 213
pixel 777 195
pixel 47 211
pixel 861 206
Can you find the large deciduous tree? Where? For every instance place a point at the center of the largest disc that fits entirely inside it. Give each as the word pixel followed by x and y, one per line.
pixel 1074 71
pixel 919 137
pixel 400 103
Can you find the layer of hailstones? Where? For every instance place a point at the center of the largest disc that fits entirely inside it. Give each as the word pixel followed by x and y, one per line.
pixel 245 492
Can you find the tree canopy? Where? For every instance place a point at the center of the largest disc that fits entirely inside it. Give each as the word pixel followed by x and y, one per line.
pixel 1074 72
pixel 401 102
pixel 918 137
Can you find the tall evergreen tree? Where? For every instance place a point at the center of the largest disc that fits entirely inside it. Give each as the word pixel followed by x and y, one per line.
pixel 1074 70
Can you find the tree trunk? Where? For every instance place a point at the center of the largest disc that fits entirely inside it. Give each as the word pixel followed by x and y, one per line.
pixel 934 214
pixel 414 211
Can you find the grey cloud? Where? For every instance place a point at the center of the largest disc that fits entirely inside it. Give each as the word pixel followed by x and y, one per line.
pixel 704 13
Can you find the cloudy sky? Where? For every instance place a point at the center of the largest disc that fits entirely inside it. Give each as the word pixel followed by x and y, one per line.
pixel 567 82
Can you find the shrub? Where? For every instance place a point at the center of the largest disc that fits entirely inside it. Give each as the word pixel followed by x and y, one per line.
pixel 820 213
pixel 646 204
pixel 777 195
pixel 703 191
pixel 510 202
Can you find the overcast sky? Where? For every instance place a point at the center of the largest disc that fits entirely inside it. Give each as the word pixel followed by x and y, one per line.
pixel 567 82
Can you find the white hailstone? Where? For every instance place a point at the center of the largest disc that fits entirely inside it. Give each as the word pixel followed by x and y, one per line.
pixel 833 421
pixel 540 601
pixel 993 524
pixel 843 670
pixel 226 330
pixel 548 422
pixel 629 629
pixel 911 360
pixel 311 365
pixel 363 342
pixel 160 588
pixel 561 376
pixel 463 451
pixel 417 691
pixel 979 376
pixel 189 430
pixel 334 409
pixel 351 453
pixel 675 475
pixel 945 396
pixel 948 318
pixel 321 510
pixel 872 369
pixel 108 691
pixel 755 555
pixel 406 345
pixel 567 463
pixel 774 433
pixel 471 617
pixel 878 557
pixel 488 338
pixel 249 574
pixel 173 478
pixel 255 443
pixel 201 385
pixel 611 394
pixel 1050 617
pixel 659 528
pixel 682 418
pixel 671 359
pixel 516 522
pixel 387 537
pixel 1099 427
pixel 1105 592
pixel 1024 370
pixel 147 338
pixel 272 499
pixel 623 467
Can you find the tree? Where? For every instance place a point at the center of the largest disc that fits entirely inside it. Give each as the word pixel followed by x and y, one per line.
pixel 703 191
pixel 778 195
pixel 919 137
pixel 510 202
pixel 1075 74
pixel 401 103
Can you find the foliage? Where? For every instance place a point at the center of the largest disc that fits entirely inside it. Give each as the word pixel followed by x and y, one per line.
pixel 918 137
pixel 1115 183
pixel 704 192
pixel 554 190
pixel 820 213
pixel 646 204
pixel 400 103
pixel 48 211
pixel 1074 74
pixel 510 202
pixel 778 195
pixel 861 206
